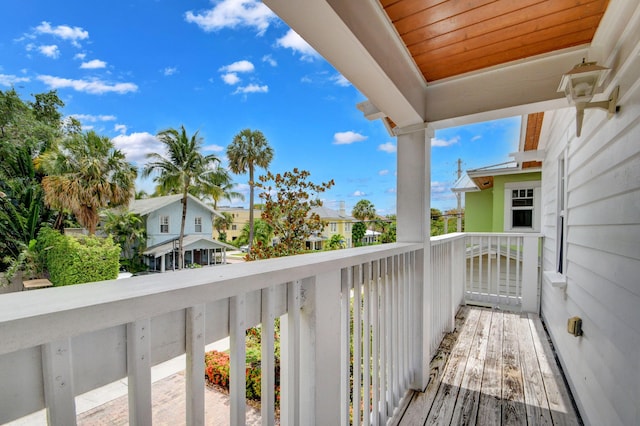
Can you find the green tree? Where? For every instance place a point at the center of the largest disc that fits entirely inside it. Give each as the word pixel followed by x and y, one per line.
pixel 336 242
pixel 217 185
pixel 183 168
pixel 364 210
pixel 221 224
pixel 389 232
pixel 357 233
pixel 288 200
pixel 262 234
pixel 26 129
pixel 85 173
pixel 128 231
pixel 248 150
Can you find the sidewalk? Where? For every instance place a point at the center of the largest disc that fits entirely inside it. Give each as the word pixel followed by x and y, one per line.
pixel 108 405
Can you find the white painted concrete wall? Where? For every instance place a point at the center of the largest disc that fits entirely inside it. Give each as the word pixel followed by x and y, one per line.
pixel 603 254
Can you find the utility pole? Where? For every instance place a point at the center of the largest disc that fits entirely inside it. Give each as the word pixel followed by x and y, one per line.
pixel 458 196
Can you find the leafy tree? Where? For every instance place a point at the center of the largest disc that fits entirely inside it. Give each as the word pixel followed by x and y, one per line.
pixel 357 233
pixel 389 232
pixel 183 168
pixel 262 234
pixel 336 242
pixel 128 231
pixel 26 129
pixel 221 224
pixel 364 210
pixel 288 200
pixel 85 173
pixel 248 150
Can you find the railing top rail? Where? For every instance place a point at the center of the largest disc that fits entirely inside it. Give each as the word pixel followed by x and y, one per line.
pixel 503 234
pixel 442 239
pixel 31 318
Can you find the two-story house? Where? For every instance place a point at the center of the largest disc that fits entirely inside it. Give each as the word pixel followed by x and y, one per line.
pixel 337 223
pixel 163 217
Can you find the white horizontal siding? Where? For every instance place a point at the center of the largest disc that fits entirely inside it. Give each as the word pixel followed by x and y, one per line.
pixel 603 257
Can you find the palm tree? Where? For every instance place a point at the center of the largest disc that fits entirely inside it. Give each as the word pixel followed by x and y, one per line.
pixel 248 150
pixel 364 210
pixel 85 173
pixel 217 185
pixel 180 170
pixel 221 224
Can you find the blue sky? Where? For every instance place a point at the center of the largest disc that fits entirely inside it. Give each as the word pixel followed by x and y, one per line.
pixel 131 69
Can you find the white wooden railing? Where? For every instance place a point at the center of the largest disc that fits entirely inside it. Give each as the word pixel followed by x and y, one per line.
pixel 503 270
pixel 60 342
pixel 358 329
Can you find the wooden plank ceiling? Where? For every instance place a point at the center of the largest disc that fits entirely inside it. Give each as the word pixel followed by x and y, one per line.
pixel 447 38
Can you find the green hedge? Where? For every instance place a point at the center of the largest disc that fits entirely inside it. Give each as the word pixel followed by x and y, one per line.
pixel 75 260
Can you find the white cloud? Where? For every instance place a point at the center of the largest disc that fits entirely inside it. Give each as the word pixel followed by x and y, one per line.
pixel 292 40
pixel 437 142
pixel 170 71
pixel 391 191
pixel 213 148
pixel 439 187
pixel 120 128
pixel 476 137
pixel 232 14
pixel 340 80
pixel 9 80
pixel 136 146
pixel 383 172
pixel 94 87
pixel 80 56
pixel 269 59
pixel 64 32
pixel 252 88
pixel 388 147
pixel 88 118
pixel 50 51
pixel 359 194
pixel 238 66
pixel 230 78
pixel 346 138
pixel 93 64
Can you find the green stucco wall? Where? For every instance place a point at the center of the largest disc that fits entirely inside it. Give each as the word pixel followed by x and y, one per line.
pixel 484 210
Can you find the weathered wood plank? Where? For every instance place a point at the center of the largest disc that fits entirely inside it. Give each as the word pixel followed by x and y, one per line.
pixel 513 409
pixel 490 406
pixel 421 403
pixel 534 393
pixel 562 411
pixel 443 405
pixel 466 406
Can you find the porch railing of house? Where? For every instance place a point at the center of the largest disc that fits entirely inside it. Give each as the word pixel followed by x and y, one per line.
pixel 354 320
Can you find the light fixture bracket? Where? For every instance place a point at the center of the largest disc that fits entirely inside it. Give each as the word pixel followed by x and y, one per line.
pixel 611 106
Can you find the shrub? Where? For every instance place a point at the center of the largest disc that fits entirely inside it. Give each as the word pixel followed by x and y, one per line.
pixel 75 260
pixel 217 368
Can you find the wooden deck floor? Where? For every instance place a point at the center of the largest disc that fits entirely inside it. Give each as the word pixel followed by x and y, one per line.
pixel 496 368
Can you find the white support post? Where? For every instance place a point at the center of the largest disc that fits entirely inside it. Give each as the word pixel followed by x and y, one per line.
pixel 195 320
pixel 58 383
pixel 290 358
pixel 139 371
pixel 530 274
pixel 413 199
pixel 268 358
pixel 238 356
pixel 320 350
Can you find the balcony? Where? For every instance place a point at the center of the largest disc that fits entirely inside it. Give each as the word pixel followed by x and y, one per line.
pixel 61 342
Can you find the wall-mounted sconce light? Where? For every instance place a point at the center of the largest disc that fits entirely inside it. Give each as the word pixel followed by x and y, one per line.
pixel 580 84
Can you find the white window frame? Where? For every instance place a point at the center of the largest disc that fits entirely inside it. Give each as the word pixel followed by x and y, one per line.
pixel 164 221
pixel 536 208
pixel 561 214
pixel 197 224
pixel 334 226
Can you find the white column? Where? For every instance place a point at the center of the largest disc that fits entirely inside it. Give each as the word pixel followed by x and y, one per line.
pixel 139 371
pixel 194 371
pixel 162 262
pixel 413 213
pixel 57 373
pixel 530 274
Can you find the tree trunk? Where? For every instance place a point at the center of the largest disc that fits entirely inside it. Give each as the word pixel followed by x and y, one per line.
pixel 181 238
pixel 250 244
